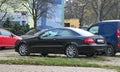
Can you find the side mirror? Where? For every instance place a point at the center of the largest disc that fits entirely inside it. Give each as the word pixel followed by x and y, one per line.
pixel 12 35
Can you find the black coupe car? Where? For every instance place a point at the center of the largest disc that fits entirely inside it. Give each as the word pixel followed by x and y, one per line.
pixel 68 41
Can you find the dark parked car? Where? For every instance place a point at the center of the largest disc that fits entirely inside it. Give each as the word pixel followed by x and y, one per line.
pixel 110 29
pixel 68 41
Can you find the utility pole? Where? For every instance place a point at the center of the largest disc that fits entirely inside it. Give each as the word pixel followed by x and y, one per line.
pixel 99 2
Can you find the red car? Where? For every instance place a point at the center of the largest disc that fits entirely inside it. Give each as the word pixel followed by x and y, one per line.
pixel 8 39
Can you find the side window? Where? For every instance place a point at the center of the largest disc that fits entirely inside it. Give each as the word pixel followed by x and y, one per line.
pixel 66 33
pixel 50 33
pixel 94 29
pixel 5 33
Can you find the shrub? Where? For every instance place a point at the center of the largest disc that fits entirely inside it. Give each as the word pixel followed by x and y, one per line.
pixel 16 28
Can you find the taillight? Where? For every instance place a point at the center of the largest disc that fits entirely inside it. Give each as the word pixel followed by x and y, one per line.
pixel 118 45
pixel 118 33
pixel 89 40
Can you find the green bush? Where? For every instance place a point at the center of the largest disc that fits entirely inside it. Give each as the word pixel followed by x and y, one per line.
pixel 16 28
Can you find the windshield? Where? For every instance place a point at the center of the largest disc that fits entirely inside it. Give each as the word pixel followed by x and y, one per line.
pixel 39 32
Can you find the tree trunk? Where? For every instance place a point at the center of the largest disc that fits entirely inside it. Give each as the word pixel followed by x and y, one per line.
pixel 35 23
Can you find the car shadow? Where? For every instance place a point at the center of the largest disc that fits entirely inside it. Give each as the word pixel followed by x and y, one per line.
pixel 6 49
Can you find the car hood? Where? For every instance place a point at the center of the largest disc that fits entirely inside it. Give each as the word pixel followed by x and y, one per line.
pixel 27 36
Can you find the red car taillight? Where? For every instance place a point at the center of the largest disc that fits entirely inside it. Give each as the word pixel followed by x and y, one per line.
pixel 118 45
pixel 89 40
pixel 118 33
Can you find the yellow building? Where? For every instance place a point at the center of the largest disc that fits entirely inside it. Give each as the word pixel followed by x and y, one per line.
pixel 72 23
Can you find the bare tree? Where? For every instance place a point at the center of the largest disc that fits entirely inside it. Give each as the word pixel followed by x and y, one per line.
pixel 2 2
pixel 106 6
pixel 82 10
pixel 76 9
pixel 37 8
pixel 6 5
pixel 115 13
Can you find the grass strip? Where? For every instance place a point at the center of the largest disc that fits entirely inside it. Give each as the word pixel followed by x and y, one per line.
pixel 76 62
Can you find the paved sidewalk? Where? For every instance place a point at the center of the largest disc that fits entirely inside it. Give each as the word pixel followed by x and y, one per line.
pixel 34 68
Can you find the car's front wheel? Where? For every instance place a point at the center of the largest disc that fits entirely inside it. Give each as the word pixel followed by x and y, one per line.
pixel 23 50
pixel 71 51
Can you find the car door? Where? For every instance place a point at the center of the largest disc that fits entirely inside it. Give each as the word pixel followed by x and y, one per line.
pixel 46 42
pixel 1 40
pixel 7 38
pixel 59 40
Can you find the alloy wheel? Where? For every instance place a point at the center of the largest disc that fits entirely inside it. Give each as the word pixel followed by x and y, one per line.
pixel 23 50
pixel 71 51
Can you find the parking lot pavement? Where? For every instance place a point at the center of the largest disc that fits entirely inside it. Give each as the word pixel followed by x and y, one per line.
pixel 7 50
pixel 33 68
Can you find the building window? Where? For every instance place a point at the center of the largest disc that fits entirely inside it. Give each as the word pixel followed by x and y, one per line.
pixel 23 22
pixel 67 24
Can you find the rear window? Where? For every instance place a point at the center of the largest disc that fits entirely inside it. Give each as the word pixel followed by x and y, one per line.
pixel 83 32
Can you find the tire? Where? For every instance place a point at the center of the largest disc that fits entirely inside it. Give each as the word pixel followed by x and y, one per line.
pixel 44 54
pixel 110 51
pixel 71 51
pixel 23 50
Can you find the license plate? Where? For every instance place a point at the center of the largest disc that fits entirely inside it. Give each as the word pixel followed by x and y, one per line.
pixel 100 40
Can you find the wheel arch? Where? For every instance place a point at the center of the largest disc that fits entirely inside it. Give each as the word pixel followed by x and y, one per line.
pixel 71 43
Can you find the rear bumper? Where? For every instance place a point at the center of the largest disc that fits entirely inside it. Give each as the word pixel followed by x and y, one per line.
pixel 92 48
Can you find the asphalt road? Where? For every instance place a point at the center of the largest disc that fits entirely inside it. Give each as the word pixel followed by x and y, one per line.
pixel 7 50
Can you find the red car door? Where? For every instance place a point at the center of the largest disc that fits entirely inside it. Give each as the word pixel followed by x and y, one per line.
pixel 7 39
pixel 1 40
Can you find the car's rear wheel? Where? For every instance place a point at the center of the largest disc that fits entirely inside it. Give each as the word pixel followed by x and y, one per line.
pixel 71 51
pixel 110 51
pixel 23 50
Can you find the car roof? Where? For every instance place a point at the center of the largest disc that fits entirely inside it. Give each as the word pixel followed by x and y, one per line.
pixel 111 21
pixel 77 30
pixel 65 28
pixel 70 28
